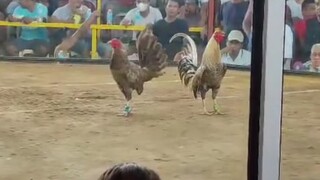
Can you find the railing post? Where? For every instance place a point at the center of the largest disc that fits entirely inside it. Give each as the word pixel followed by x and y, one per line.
pixel 99 8
pixel 94 54
pixel 211 18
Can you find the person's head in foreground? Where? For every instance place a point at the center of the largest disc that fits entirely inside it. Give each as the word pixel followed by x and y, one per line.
pixel 129 171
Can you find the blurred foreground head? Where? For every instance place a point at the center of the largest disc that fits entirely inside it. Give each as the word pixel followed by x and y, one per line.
pixel 129 171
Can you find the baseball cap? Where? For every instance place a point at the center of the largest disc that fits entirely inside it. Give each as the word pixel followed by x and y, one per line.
pixel 235 35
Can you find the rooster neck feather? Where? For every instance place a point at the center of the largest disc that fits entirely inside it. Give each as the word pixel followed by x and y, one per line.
pixel 212 54
pixel 119 59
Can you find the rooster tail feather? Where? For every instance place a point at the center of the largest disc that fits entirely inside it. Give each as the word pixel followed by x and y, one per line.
pixel 187 60
pixel 187 71
pixel 190 50
pixel 152 56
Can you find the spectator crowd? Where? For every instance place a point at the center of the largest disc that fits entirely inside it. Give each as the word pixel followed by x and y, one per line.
pixel 302 27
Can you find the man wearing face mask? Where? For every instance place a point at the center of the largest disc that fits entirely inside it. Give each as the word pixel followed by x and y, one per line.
pixel 142 15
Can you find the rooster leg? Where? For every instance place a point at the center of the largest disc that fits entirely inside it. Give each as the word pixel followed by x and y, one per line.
pixel 205 111
pixel 216 107
pixel 203 92
pixel 127 109
pixel 127 92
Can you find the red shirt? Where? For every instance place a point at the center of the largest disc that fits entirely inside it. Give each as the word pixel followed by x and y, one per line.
pixel 301 28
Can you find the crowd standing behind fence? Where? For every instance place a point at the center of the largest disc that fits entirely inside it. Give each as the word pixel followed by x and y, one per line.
pixel 301 29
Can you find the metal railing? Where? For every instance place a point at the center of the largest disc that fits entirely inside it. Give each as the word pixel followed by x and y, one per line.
pixel 95 30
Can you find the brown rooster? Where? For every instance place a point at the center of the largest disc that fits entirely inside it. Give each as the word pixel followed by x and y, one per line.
pixel 208 75
pixel 130 76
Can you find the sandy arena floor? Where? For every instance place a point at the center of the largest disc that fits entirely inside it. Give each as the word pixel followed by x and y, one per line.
pixel 60 122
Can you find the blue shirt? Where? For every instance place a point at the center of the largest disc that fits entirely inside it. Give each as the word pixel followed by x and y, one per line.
pixel 30 33
pixel 232 15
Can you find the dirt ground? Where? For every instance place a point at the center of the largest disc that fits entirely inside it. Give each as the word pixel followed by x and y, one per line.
pixel 60 122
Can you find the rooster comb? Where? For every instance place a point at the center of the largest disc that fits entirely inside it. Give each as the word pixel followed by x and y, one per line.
pixel 219 35
pixel 115 43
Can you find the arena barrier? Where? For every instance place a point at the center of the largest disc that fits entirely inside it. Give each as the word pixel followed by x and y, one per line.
pixel 96 28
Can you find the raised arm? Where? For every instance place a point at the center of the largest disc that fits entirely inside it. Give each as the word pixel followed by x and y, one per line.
pixel 247 22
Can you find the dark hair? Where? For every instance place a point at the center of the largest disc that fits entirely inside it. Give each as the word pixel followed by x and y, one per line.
pixel 180 2
pixel 305 3
pixel 129 171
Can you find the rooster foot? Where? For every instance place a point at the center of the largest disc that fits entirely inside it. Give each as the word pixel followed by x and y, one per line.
pixel 207 113
pixel 216 110
pixel 127 111
pixel 124 114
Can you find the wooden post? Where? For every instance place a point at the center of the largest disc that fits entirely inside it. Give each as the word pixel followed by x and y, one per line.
pixel 211 17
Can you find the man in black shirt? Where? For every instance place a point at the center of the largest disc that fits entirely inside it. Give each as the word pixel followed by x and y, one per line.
pixel 170 25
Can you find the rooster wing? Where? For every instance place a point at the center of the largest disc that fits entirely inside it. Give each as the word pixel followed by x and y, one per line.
pixel 152 55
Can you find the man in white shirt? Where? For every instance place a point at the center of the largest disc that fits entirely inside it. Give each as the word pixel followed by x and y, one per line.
pixel 142 15
pixel 288 47
pixel 234 52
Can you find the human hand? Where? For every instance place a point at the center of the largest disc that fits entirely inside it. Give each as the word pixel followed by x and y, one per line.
pixel 226 50
pixel 126 22
pixel 96 13
pixel 82 11
pixel 70 20
pixel 27 20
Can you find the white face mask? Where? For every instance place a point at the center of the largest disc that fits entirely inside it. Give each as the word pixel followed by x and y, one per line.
pixel 142 7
